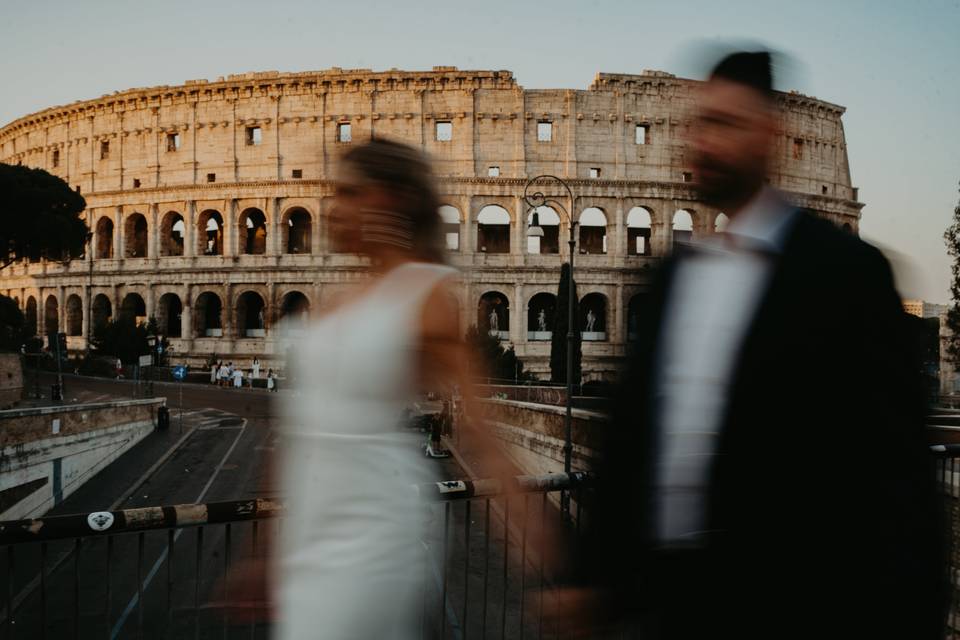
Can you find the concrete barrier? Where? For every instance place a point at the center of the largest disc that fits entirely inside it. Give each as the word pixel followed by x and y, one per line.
pixel 47 453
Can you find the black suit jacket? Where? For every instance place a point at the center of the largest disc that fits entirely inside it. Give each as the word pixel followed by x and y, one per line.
pixel 822 494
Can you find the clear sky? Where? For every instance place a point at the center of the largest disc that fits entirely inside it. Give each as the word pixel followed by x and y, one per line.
pixel 894 65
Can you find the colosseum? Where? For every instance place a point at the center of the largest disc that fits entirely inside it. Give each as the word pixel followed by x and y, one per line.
pixel 206 201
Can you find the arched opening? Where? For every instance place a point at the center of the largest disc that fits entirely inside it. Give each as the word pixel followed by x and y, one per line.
pixel 102 310
pixel 549 222
pixel 682 227
pixel 135 236
pixel 294 311
pixel 450 217
pixel 493 230
pixel 847 227
pixel 541 314
pixel 493 314
pixel 593 317
pixel 51 316
pixel 253 232
pixel 172 234
pixel 721 222
pixel 74 315
pixel 638 232
pixel 251 322
pixel 634 308
pixel 593 231
pixel 133 307
pixel 104 238
pixel 30 316
pixel 169 315
pixel 297 231
pixel 209 312
pixel 210 233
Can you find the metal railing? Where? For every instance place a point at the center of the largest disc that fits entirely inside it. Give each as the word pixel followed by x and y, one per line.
pixel 160 572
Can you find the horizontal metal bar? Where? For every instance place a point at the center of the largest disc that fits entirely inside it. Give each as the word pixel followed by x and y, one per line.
pixel 945 450
pixel 127 520
pixel 465 489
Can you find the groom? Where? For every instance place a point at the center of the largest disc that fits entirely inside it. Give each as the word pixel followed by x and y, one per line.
pixel 767 474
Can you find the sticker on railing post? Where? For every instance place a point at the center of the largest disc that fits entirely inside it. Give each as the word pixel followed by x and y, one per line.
pixel 100 520
pixel 452 486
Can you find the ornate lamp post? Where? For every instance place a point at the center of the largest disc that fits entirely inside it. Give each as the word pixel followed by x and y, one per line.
pixel 535 200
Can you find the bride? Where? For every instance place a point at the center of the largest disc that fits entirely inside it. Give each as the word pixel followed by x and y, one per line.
pixel 350 560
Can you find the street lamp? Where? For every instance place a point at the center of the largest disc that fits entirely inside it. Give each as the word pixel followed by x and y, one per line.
pixel 535 200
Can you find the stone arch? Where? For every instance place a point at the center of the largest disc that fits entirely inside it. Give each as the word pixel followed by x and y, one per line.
pixel 493 314
pixel 133 307
pixel 541 316
pixel 102 310
pixel 74 315
pixel 296 226
pixel 51 315
pixel 493 229
pixel 450 218
pixel 30 315
pixel 135 236
pixel 173 233
pixel 593 230
pixel 720 223
pixel 251 315
pixel 210 233
pixel 682 226
pixel 208 311
pixel 593 317
pixel 252 231
pixel 104 233
pixel 170 315
pixel 295 309
pixel 634 308
pixel 639 221
pixel 548 220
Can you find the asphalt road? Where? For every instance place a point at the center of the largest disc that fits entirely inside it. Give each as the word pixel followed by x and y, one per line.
pixel 169 584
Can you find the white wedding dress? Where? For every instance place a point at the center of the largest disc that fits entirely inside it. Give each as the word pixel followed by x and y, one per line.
pixel 351 561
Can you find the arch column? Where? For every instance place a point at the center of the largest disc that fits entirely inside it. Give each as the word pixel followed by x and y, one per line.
pixel 61 311
pixel 273 235
pixel 231 231
pixel 85 321
pixel 518 317
pixel 153 233
pixel 150 302
pixel 617 240
pixel 189 232
pixel 660 237
pixel 617 307
pixel 118 248
pixel 518 231
pixel 467 229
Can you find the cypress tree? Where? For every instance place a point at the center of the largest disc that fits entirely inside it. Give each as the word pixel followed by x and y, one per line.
pixel 952 238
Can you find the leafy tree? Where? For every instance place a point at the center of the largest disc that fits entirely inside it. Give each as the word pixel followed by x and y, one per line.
pixel 122 338
pixel 558 345
pixel 952 238
pixel 491 360
pixel 13 331
pixel 40 216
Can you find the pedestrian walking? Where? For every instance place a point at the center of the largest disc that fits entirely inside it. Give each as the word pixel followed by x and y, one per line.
pixel 214 370
pixel 223 373
pixel 256 368
pixel 238 378
pixel 271 381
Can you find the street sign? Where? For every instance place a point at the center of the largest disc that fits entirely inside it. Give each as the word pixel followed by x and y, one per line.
pixel 180 372
pixel 146 361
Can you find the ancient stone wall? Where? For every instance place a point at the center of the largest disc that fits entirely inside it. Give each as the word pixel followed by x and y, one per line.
pixel 207 201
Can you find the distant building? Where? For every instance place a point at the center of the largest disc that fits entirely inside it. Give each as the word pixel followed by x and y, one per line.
pixel 924 309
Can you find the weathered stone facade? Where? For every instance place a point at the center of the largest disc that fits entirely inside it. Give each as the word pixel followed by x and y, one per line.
pixel 214 194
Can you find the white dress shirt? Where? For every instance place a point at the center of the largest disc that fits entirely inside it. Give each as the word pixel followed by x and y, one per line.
pixel 714 295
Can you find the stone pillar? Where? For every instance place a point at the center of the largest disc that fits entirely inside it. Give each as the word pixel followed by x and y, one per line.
pixel 186 326
pixel 617 238
pixel 87 311
pixel 190 229
pixel 518 317
pixel 617 307
pixel 661 237
pixel 118 248
pixel 468 240
pixel 41 312
pixel 518 229
pixel 61 310
pixel 231 230
pixel 153 232
pixel 316 243
pixel 150 301
pixel 273 228
pixel 93 236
